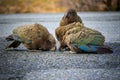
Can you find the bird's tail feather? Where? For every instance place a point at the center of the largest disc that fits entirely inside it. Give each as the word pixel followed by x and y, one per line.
pixel 104 50
pixel 93 48
pixel 14 44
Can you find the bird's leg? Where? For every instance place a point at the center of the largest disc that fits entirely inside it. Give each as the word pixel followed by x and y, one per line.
pixel 14 44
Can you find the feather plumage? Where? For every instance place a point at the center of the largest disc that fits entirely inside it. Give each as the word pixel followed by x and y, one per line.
pixel 80 38
pixel 33 36
pixel 70 16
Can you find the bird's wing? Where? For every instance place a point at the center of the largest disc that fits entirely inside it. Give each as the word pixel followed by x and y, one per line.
pixel 93 48
pixel 63 30
pixel 87 36
pixel 28 33
pixel 83 38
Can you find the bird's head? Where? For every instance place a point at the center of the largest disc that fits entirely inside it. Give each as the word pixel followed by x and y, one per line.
pixel 70 14
pixel 51 43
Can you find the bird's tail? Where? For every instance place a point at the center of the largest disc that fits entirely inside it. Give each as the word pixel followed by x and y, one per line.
pixel 14 44
pixel 104 49
pixel 93 48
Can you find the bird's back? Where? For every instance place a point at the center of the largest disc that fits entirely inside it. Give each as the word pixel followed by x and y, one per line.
pixel 31 32
pixel 82 35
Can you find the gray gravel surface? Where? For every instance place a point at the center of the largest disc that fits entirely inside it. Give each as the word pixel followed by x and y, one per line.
pixel 19 64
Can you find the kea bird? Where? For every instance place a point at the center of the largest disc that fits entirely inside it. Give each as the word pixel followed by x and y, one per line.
pixel 82 39
pixel 70 16
pixel 33 37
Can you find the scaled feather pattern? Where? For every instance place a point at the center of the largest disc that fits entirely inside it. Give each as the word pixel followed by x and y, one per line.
pixel 33 37
pixel 82 39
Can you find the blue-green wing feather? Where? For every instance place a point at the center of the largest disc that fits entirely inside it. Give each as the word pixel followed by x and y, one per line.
pixel 93 48
pixel 86 48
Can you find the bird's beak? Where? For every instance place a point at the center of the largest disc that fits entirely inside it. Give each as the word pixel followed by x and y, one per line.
pixel 53 48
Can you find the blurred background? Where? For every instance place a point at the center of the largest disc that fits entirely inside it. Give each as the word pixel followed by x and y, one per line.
pixel 56 6
pixel 101 15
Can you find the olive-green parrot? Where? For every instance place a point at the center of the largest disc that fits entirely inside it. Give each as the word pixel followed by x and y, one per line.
pixel 33 37
pixel 70 16
pixel 82 39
